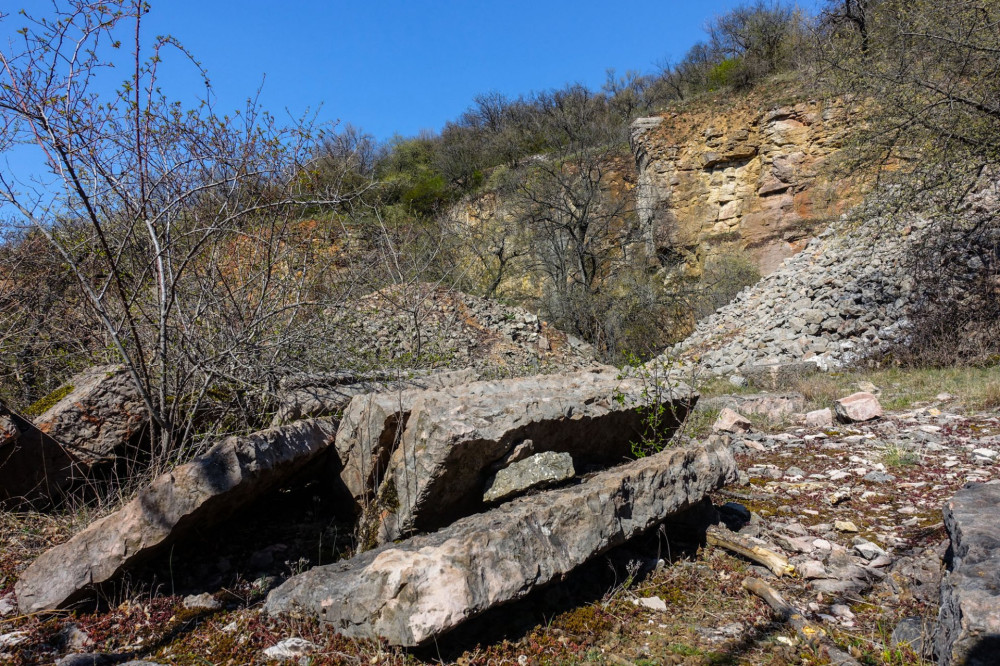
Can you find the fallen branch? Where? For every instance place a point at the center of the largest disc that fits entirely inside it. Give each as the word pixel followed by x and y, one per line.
pixel 805 629
pixel 785 610
pixel 778 564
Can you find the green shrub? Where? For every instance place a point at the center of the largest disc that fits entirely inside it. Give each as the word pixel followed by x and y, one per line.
pixel 722 74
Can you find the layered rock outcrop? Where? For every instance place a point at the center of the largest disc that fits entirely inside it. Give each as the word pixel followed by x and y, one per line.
pixel 738 179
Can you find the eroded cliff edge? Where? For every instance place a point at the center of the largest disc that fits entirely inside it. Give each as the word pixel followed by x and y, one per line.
pixel 747 177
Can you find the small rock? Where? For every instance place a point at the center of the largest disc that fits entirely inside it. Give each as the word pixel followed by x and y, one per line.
pixel 912 632
pixel 290 649
pixel 523 450
pixel 731 421
pixel 811 569
pixel 7 605
pixel 985 453
pixel 840 610
pixel 75 638
pixel 844 526
pixel 839 496
pixel 795 471
pixel 879 477
pixel 738 381
pixel 204 601
pixel 858 407
pixel 652 603
pixel 819 418
pixel 13 638
pixel 868 387
pixel 90 659
pixel 538 471
pixel 868 550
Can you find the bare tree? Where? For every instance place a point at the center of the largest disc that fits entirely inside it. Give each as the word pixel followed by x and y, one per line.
pixel 181 228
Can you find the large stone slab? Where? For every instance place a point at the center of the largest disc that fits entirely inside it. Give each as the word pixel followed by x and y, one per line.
pixel 325 394
pixel 968 629
pixel 198 493
pixel 35 470
pixel 99 412
pixel 372 424
pixel 412 592
pixel 453 439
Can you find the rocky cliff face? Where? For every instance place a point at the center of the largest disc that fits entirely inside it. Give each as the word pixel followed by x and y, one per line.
pixel 738 178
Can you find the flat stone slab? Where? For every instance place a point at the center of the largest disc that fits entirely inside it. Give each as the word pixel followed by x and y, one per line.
pixel 454 438
pixel 968 630
pixel 412 592
pixel 35 469
pixel 198 493
pixel 541 470
pixel 328 394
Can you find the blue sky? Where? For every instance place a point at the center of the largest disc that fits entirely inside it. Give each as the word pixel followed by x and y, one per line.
pixel 390 66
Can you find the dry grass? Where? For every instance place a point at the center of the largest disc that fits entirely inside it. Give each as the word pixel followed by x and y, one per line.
pixel 971 388
pixel 990 398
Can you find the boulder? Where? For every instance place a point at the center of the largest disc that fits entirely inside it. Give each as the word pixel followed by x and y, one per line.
pixel 195 494
pixel 98 412
pixel 731 421
pixel 35 469
pixel 412 592
pixel 858 407
pixel 541 470
pixel 325 394
pixel 968 629
pixel 453 439
pixel 819 418
pixel 372 424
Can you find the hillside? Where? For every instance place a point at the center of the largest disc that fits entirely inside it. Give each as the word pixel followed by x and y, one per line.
pixel 697 368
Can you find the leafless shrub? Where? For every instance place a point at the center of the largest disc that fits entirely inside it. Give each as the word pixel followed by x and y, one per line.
pixel 181 233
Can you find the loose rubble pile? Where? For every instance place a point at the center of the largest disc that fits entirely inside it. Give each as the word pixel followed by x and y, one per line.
pixel 445 328
pixel 841 298
pixel 851 507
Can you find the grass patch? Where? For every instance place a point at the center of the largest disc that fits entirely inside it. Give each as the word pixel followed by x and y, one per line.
pixel 896 456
